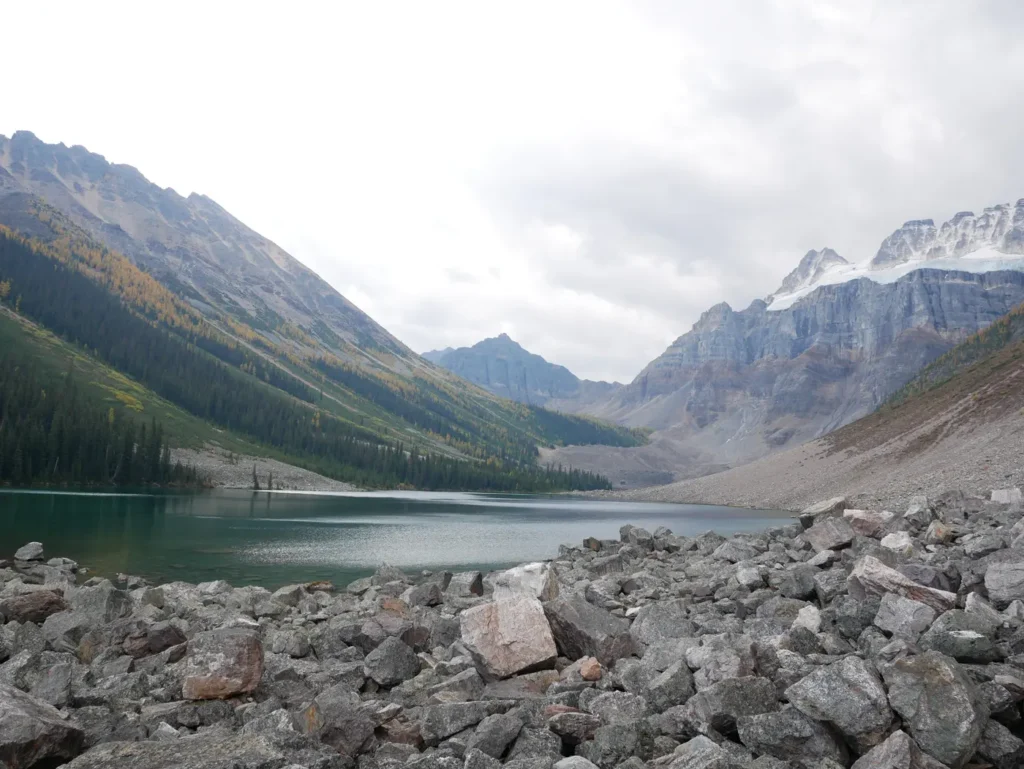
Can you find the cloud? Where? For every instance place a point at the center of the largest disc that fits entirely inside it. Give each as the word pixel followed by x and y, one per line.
pixel 587 176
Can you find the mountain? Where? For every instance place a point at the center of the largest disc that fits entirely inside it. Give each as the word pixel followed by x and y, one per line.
pixel 956 426
pixel 223 305
pixel 828 347
pixel 503 367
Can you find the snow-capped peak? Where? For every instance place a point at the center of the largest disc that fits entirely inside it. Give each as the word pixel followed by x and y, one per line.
pixel 969 243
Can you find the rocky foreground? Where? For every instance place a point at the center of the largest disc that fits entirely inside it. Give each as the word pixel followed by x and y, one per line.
pixel 861 638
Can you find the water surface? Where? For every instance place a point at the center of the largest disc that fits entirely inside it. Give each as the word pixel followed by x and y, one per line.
pixel 277 538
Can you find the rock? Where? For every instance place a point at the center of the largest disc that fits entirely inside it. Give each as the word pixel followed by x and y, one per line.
pixel 391 662
pixel 613 707
pixel 701 753
pixel 999 496
pixel 938 533
pixel 222 663
pixel 574 762
pixel 574 727
pixel 634 535
pixel 531 580
pixel 495 733
pixel 441 721
pixel 791 736
pixel 662 621
pixel 868 523
pixel 871 577
pixel 466 584
pixel 720 705
pixel 903 618
pixel 822 509
pixel 673 686
pixel 1005 582
pixel 850 696
pixel 590 669
pixel 1000 747
pixel 919 512
pixel 33 732
pixel 898 542
pixel 32 607
pixel 897 752
pixel 829 534
pixel 204 751
pixel 33 551
pixel 581 629
pixel 509 636
pixel 336 718
pixel 964 637
pixel 939 706
pixel 615 743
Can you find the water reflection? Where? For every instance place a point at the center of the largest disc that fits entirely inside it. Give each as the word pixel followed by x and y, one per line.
pixel 277 538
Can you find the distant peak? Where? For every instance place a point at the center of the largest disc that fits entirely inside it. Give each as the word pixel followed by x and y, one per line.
pixel 504 337
pixel 813 265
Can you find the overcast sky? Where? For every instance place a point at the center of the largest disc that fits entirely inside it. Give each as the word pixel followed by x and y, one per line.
pixel 586 176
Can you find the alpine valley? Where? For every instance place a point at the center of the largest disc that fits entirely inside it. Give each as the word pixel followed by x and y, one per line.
pixel 134 306
pixel 828 347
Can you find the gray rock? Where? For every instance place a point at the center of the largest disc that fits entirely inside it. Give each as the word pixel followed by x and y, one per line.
pixel 508 636
pixel 615 707
pixel 33 732
pixel 33 551
pixel 466 584
pixel 425 594
pixel 791 736
pixel 903 618
pixel 1011 496
pixel 673 686
pixel 720 705
pixel 531 580
pixel 822 509
pixel 204 751
pixel 939 706
pixel 102 603
pixel 441 721
pixel 662 621
pixel 574 762
pixel 581 629
pixel 871 577
pixel 615 743
pixel 848 695
pixel 964 637
pixel 701 753
pixel 391 662
pixel 1005 583
pixel 475 759
pixel 222 663
pixel 335 717
pixel 830 534
pixel 495 733
pixel 1000 747
pixel 573 727
pixel 897 752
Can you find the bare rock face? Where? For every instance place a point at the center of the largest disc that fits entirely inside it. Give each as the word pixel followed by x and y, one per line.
pixel 938 704
pixel 222 663
pixel 1005 582
pixel 508 636
pixel 830 534
pixel 32 732
pixel 871 577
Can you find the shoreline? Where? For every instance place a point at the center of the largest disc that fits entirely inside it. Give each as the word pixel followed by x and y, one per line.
pixel 872 632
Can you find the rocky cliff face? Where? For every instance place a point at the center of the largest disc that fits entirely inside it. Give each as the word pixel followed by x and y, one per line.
pixel 502 366
pixel 828 347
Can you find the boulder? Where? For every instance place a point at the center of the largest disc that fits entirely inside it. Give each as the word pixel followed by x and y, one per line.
pixel 868 523
pixel 1010 496
pixel 35 606
pixel 581 629
pixel 222 663
pixel 848 695
pixel 508 636
pixel 871 577
pixel 903 618
pixel 821 509
pixel 1005 582
pixel 33 732
pixel 1000 747
pixel 720 705
pixel 531 580
pixel 897 752
pixel 791 736
pixel 216 750
pixel 33 551
pixel 336 718
pixel 496 732
pixel 938 704
pixel 466 584
pixel 662 621
pixel 830 534
pixel 441 721
pixel 391 662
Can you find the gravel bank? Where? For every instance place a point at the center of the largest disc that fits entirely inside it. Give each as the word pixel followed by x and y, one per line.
pixel 234 471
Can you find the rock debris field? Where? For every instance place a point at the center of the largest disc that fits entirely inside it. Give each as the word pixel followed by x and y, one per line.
pixel 865 638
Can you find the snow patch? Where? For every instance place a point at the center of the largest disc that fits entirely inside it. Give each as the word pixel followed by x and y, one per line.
pixel 986 259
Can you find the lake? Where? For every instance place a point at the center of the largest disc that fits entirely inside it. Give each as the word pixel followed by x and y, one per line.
pixel 278 538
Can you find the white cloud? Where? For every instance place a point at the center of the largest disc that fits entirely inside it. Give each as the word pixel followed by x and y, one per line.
pixel 587 176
